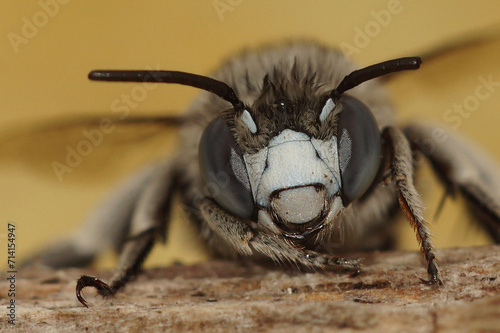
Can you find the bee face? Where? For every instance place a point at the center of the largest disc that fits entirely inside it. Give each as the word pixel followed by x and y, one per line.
pixel 295 157
pixel 295 177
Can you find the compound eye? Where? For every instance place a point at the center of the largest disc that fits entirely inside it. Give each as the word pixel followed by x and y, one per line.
pixel 223 170
pixel 359 147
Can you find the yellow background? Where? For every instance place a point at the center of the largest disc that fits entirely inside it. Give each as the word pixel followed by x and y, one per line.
pixel 47 79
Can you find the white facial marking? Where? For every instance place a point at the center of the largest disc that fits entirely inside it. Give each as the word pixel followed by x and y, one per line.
pixel 246 118
pixel 327 109
pixel 293 159
pixel 256 164
pixel 288 135
pixel 327 151
pixel 291 206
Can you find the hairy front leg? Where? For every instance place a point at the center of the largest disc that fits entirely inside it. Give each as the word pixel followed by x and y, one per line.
pixel 149 220
pixel 248 241
pixel 409 199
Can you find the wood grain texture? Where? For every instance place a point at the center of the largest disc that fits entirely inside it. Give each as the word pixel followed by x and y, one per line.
pixel 223 295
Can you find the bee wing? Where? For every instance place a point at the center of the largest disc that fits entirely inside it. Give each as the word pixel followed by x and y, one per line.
pixel 101 147
pixel 459 86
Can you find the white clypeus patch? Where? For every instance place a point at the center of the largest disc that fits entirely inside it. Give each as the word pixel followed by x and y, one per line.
pixel 294 160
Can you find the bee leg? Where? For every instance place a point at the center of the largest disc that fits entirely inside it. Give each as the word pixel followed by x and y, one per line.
pixel 225 228
pixel 409 199
pixel 463 168
pixel 148 221
pixel 107 226
pixel 324 261
pixel 247 242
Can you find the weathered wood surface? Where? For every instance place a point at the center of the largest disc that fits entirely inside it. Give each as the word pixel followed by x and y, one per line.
pixel 230 296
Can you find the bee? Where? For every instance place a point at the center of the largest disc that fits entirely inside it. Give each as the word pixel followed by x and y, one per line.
pixel 290 153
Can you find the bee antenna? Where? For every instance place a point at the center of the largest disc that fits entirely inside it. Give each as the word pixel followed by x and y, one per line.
pixel 361 75
pixel 198 81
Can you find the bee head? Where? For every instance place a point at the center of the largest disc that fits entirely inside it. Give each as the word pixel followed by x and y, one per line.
pixel 304 153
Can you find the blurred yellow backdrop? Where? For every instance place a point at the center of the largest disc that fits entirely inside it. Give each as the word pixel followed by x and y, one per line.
pixel 49 46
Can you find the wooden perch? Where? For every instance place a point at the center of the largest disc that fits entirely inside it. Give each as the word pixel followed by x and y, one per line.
pixel 233 296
